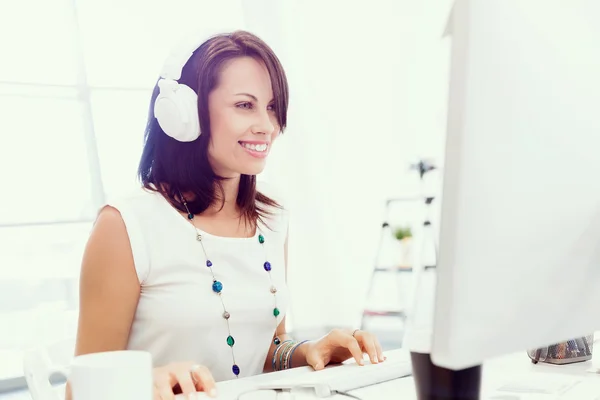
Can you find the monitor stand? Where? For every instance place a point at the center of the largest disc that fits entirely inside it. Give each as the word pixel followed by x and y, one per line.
pixel 437 383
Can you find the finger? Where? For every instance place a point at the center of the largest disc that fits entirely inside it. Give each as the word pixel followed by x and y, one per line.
pixel 186 383
pixel 354 348
pixel 367 344
pixel 204 380
pixel 165 390
pixel 319 365
pixel 314 359
pixel 156 393
pixel 370 349
pixel 380 355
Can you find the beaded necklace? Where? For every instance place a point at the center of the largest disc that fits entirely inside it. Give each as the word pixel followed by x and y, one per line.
pixel 217 286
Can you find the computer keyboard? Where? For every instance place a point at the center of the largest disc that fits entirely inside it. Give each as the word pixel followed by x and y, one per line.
pixel 342 378
pixel 351 376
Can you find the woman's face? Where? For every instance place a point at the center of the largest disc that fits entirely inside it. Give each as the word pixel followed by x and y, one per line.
pixel 242 118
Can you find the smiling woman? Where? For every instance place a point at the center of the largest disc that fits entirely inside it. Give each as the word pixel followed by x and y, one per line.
pixel 246 121
pixel 193 265
pixel 242 95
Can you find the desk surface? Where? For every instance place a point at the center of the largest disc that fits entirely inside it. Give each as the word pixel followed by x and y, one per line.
pixel 502 377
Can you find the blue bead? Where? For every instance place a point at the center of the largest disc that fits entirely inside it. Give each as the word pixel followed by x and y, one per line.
pixel 217 286
pixel 267 266
pixel 276 341
pixel 235 369
pixel 208 263
pixel 190 216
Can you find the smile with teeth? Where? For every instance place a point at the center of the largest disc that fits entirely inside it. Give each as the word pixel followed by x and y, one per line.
pixel 254 147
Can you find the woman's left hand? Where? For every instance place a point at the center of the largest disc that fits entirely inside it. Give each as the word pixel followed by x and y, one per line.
pixel 340 345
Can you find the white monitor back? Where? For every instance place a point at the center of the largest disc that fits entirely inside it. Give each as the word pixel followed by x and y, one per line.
pixel 519 258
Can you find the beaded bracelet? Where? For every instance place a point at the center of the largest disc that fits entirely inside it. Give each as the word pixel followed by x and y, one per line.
pixel 284 354
pixel 285 362
pixel 274 360
pixel 285 350
pixel 289 364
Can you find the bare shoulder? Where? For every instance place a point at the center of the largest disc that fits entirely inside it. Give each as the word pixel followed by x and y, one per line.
pixel 109 231
pixel 109 217
pixel 108 281
pixel 108 252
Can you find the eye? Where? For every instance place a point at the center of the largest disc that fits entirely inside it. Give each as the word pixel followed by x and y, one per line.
pixel 245 105
pixel 271 107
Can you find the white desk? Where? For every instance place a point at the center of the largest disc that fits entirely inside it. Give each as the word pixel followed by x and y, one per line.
pixel 506 370
pixel 497 373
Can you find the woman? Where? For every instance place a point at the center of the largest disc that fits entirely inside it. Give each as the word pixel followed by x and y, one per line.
pixel 192 267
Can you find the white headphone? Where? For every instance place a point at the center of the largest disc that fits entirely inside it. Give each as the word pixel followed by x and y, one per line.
pixel 176 107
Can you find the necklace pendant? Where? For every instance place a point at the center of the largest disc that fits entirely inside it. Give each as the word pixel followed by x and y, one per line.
pixel 198 237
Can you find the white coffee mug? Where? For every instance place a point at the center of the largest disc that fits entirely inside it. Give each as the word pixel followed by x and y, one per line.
pixel 114 375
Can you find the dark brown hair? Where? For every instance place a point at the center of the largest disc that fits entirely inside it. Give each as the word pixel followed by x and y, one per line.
pixel 169 166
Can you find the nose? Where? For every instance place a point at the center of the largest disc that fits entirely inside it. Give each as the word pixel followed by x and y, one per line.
pixel 264 123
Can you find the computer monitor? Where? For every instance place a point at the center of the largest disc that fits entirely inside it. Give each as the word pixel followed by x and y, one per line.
pixel 519 244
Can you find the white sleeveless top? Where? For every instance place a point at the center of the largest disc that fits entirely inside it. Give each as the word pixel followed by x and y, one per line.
pixel 179 317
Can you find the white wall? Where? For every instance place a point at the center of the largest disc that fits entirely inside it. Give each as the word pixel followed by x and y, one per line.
pixel 368 96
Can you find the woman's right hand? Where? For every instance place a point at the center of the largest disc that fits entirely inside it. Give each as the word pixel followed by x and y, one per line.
pixel 190 377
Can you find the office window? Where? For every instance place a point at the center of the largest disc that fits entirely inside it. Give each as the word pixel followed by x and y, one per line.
pixel 75 83
pixel 132 52
pixel 120 120
pixel 37 42
pixel 44 156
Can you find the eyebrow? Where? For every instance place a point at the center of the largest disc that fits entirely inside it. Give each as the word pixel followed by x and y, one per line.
pixel 253 97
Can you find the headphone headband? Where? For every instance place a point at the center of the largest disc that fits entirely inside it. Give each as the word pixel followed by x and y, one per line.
pixel 181 53
pixel 176 106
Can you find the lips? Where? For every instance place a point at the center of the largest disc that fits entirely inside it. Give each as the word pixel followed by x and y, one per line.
pixel 254 146
pixel 255 149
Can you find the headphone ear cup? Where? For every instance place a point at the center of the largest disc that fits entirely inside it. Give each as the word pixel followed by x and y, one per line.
pixel 176 110
pixel 189 99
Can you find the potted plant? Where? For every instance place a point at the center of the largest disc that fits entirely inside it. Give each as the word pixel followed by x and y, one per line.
pixel 403 235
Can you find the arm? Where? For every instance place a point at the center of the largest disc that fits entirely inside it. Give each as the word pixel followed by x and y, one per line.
pixel 337 346
pixel 109 288
pixel 299 358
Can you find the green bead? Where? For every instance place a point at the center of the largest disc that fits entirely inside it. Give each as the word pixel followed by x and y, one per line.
pixel 230 341
pixel 276 311
pixel 261 239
